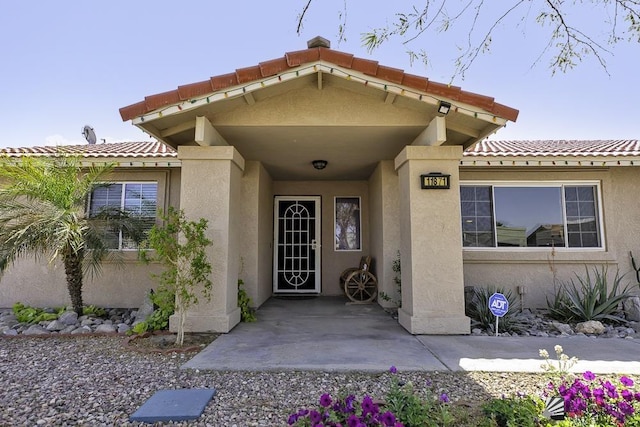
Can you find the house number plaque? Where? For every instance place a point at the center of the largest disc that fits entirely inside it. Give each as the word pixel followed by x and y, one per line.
pixel 435 180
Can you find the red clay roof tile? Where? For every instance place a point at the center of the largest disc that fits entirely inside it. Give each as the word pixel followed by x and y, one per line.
pixel 365 66
pixel 249 74
pixel 273 67
pixel 335 57
pixel 416 82
pixel 162 99
pixel 559 148
pixel 224 81
pixel 148 149
pixel 194 89
pixel 394 75
pixel 301 57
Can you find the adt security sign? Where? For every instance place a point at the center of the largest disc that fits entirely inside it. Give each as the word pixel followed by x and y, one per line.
pixel 498 304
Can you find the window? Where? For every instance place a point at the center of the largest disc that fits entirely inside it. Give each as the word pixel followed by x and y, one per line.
pixel 137 199
pixel 516 215
pixel 347 224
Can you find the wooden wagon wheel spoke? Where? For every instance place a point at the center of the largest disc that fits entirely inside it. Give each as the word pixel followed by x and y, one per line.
pixel 361 286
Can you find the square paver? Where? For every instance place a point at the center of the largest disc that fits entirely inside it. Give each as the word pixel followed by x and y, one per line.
pixel 174 405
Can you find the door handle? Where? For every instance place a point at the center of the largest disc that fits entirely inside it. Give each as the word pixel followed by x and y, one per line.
pixel 314 245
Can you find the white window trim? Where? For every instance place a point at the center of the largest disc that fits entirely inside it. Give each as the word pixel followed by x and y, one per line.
pixel 122 199
pixel 335 206
pixel 554 183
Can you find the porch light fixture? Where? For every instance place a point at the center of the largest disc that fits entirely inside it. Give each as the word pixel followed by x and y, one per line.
pixel 444 107
pixel 319 164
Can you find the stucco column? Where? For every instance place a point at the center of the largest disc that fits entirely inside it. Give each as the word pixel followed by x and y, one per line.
pixel 210 188
pixel 431 243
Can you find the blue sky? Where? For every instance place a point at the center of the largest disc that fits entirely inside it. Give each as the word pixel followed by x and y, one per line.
pixel 66 64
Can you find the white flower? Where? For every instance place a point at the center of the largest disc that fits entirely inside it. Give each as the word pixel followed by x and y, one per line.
pixel 564 357
pixel 544 353
pixel 558 349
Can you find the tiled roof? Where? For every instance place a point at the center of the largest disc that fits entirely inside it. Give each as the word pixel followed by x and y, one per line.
pixel 295 59
pixel 150 149
pixel 560 148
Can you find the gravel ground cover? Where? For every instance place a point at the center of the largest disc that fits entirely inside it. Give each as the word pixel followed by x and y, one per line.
pixel 95 381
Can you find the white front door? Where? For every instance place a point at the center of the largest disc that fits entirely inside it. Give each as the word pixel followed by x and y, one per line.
pixel 296 256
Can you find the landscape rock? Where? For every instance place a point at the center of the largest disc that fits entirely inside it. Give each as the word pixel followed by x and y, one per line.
pixel 145 309
pixel 632 308
pixel 10 332
pixel 123 327
pixel 36 330
pixel 563 328
pixel 81 330
pixel 591 327
pixel 105 328
pixel 55 325
pixel 68 317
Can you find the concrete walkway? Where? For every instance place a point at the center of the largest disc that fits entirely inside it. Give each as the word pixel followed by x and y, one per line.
pixel 329 334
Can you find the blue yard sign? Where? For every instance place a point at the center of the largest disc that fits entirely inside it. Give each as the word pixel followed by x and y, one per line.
pixel 499 305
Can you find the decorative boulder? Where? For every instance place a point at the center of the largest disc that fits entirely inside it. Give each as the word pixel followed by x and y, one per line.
pixel 632 309
pixel 145 309
pixel 563 328
pixel 68 317
pixel 592 327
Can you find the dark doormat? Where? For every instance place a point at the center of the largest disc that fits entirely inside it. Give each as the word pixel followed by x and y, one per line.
pixel 174 405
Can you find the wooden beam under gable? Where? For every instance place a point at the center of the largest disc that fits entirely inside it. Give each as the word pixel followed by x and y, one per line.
pixel 177 129
pixel 390 98
pixel 206 134
pixel 319 80
pixel 249 98
pixel 434 134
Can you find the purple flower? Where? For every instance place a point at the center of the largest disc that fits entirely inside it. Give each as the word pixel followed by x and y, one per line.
pixel 626 381
pixel 625 408
pixel 637 396
pixel 315 417
pixel 393 370
pixel 388 419
pixel 348 403
pixel 325 400
pixel 428 383
pixel 292 419
pixel 627 395
pixel 368 407
pixel 589 376
pixel 444 398
pixel 353 421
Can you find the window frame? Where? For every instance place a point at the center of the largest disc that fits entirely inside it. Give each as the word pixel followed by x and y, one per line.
pixel 335 223
pixel 550 183
pixel 124 183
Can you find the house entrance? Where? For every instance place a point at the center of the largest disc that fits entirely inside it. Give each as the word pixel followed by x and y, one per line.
pixel 296 246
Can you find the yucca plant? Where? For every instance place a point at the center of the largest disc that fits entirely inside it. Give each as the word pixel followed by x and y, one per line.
pixel 589 298
pixel 481 315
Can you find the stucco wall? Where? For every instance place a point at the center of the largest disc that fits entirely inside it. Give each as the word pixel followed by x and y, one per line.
pixel 256 232
pixel 385 227
pixel 537 268
pixel 333 262
pixel 40 284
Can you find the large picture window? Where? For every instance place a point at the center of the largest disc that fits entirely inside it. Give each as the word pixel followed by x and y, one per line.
pixel 514 215
pixel 135 198
pixel 347 224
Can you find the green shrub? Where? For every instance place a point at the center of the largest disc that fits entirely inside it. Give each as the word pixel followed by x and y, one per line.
pixel 589 298
pixel 481 315
pixel 244 302
pixel 514 411
pixel 32 315
pixel 164 303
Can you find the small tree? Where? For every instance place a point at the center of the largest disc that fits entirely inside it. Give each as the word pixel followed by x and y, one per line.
pixel 43 212
pixel 180 245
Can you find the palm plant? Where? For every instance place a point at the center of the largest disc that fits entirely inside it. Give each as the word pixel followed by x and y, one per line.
pixel 43 212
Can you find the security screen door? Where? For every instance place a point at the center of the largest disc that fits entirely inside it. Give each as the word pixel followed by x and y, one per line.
pixel 297 245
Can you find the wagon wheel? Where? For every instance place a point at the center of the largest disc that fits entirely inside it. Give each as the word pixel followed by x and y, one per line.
pixel 361 286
